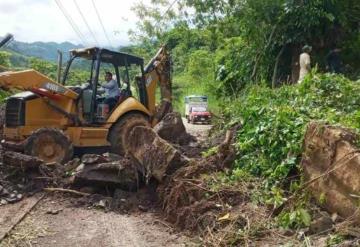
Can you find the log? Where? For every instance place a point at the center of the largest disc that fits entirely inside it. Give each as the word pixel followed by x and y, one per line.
pixel 156 157
pixel 20 160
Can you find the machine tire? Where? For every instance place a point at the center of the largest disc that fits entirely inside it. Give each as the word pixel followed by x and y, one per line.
pixel 120 130
pixel 50 145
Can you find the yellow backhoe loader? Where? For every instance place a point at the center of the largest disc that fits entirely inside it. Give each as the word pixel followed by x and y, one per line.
pixel 49 119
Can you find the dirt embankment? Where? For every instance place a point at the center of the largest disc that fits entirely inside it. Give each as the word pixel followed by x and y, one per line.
pixel 331 164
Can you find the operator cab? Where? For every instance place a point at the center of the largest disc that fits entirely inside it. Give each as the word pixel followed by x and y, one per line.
pixel 123 66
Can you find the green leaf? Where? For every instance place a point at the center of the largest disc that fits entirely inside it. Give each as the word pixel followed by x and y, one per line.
pixel 305 217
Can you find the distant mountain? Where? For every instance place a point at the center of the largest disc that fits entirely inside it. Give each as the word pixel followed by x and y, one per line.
pixel 43 50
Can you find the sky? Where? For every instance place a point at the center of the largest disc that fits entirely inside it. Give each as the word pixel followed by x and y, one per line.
pixel 42 20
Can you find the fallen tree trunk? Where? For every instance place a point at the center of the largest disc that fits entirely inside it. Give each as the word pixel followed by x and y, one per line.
pixel 20 160
pixel 121 173
pixel 156 157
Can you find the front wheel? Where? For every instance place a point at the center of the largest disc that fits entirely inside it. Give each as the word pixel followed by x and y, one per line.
pixel 119 132
pixel 50 145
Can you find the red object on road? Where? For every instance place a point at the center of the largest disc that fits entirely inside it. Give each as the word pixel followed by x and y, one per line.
pixel 199 114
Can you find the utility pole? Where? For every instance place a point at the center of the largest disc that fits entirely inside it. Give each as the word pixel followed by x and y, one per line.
pixel 59 66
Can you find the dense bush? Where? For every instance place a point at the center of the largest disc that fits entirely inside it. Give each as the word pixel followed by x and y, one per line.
pixel 269 142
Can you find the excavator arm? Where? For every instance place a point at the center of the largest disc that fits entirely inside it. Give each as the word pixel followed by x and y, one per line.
pixel 55 95
pixel 31 80
pixel 158 73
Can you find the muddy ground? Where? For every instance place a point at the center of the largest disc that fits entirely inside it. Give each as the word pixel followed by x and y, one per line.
pixel 63 220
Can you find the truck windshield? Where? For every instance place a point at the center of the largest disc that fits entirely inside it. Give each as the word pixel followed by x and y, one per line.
pixel 191 99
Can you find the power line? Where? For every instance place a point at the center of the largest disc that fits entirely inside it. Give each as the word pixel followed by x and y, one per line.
pixel 71 22
pixel 86 23
pixel 167 10
pixel 101 23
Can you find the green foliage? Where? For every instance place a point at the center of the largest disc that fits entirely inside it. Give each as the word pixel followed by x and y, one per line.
pixel 4 59
pixel 274 121
pixel 295 219
pixel 334 240
pixel 44 67
pixel 75 76
pixel 263 33
pixel 200 66
pixel 209 152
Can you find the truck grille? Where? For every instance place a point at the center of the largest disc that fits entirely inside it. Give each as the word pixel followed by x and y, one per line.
pixel 15 112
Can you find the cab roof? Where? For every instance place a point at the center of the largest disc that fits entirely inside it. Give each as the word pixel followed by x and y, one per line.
pixel 195 96
pixel 116 58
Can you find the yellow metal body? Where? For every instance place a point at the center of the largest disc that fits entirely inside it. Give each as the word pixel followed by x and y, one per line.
pixel 40 111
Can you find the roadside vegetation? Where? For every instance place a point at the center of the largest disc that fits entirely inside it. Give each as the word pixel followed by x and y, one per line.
pixel 244 55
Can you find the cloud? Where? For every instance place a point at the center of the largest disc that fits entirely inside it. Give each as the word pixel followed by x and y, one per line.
pixel 42 20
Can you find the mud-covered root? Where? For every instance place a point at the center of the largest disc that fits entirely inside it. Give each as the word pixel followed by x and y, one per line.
pixel 155 156
pixel 186 198
pixel 21 161
pixel 171 128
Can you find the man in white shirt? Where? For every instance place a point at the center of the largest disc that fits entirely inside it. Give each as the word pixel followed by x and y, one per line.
pixel 305 63
pixel 112 91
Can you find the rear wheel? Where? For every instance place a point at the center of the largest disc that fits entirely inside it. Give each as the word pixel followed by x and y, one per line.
pixel 50 145
pixel 119 132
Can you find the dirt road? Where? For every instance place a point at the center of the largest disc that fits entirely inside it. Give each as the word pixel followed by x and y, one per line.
pixel 198 130
pixel 57 221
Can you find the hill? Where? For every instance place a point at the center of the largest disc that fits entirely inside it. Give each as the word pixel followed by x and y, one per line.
pixel 43 50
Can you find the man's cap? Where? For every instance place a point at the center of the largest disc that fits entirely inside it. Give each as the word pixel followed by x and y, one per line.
pixel 306 48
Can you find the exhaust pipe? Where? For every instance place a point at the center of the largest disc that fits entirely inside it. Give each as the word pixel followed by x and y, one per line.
pixel 59 66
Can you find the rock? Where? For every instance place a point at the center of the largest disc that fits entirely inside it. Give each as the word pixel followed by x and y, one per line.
pixel 321 225
pixel 4 192
pixel 72 165
pixel 54 211
pixel 80 168
pixel 19 196
pixel 89 159
pixel 13 198
pixel 100 204
pixel 143 208
pixel 156 157
pixel 331 161
pixel 112 157
pixel 3 202
pixel 20 160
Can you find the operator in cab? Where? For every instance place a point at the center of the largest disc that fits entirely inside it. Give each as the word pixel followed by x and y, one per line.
pixel 112 91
